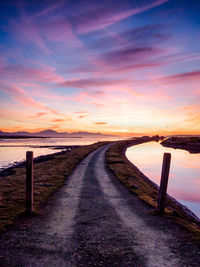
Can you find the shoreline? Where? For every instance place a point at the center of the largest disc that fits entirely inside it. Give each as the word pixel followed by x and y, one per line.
pixel 29 137
pixel 191 149
pixel 146 190
pixel 190 144
pixel 8 170
pixel 19 137
pixel 51 171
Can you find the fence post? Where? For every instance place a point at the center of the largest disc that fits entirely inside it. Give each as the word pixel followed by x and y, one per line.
pixel 164 182
pixel 29 182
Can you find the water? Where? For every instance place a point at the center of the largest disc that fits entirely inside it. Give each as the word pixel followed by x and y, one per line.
pixel 184 178
pixel 14 150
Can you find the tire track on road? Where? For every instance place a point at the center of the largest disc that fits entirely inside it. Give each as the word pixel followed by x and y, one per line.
pixel 99 238
pixel 151 243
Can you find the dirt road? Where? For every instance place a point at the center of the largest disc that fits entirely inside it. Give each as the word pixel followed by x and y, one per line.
pixel 93 220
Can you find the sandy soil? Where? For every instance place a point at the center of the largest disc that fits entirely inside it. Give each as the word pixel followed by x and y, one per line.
pixel 93 220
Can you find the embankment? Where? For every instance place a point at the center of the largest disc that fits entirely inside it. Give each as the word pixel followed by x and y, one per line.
pixel 145 189
pixel 50 172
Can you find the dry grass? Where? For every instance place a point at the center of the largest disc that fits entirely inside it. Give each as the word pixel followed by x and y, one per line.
pixel 132 178
pixel 48 176
pixel 51 174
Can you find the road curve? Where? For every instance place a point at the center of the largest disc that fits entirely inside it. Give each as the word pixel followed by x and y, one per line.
pixel 92 220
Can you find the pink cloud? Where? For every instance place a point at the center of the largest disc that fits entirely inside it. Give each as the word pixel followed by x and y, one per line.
pixel 96 98
pixel 87 83
pixel 192 76
pixel 39 114
pixel 119 69
pixel 48 10
pixel 55 28
pixel 17 93
pixel 88 97
pixel 192 113
pixel 52 32
pixel 191 108
pixel 102 21
pixel 139 66
pixel 124 60
pixel 99 105
pixel 25 73
pixel 25 31
pixel 121 58
pixel 80 112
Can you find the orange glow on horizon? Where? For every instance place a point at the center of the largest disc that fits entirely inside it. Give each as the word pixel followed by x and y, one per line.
pixel 123 132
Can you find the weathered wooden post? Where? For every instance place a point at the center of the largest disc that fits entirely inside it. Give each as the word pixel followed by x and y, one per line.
pixel 29 182
pixel 164 182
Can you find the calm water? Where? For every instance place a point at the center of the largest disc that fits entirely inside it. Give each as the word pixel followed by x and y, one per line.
pixel 14 150
pixel 184 179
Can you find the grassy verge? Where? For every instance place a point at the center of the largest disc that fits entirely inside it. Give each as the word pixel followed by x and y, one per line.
pixel 48 176
pixel 132 178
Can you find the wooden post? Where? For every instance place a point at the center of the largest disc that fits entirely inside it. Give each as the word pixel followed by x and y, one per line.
pixel 29 182
pixel 164 182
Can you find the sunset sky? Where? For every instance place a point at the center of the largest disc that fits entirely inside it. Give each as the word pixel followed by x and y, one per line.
pixel 110 66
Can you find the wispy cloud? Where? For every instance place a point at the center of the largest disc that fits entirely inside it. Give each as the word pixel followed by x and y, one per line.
pixel 38 115
pixel 25 73
pixel 88 83
pixel 80 112
pixel 98 20
pixel 124 57
pixel 138 36
pixel 192 76
pixel 20 95
pixel 192 114
pixel 51 31
pixel 26 32
pixel 45 11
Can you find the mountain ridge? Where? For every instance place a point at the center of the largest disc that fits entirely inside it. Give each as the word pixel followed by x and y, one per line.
pixel 52 133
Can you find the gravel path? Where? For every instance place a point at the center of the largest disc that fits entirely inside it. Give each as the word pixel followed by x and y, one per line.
pixel 93 220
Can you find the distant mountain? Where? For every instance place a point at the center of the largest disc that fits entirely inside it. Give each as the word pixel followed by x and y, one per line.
pixel 51 133
pixel 48 133
pixel 15 133
pixel 22 133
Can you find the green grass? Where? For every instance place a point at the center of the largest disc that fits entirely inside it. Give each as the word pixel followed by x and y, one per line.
pixel 48 176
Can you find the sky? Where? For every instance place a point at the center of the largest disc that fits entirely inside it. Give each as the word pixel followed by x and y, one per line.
pixel 109 66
